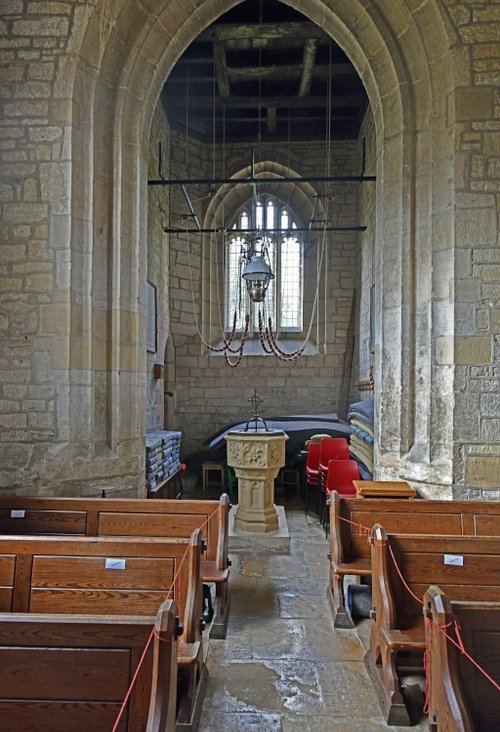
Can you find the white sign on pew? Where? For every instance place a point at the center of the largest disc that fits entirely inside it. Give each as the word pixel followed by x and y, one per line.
pixel 454 559
pixel 113 563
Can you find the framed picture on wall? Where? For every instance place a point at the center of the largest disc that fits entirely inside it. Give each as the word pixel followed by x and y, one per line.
pixel 151 333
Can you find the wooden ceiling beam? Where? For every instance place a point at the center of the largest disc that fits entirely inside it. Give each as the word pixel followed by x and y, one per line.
pixel 249 73
pixel 308 61
pixel 180 119
pixel 221 69
pixel 294 32
pixel 271 120
pixel 202 102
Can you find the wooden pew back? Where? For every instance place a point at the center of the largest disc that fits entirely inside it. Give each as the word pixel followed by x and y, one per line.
pixel 465 567
pixel 349 546
pixel 102 575
pixel 460 698
pixel 120 517
pixel 71 673
pixel 401 516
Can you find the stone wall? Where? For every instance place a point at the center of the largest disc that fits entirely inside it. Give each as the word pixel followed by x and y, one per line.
pixel 208 393
pixel 477 260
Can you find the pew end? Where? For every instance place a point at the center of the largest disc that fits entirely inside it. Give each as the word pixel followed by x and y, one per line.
pixel 460 698
pixel 403 567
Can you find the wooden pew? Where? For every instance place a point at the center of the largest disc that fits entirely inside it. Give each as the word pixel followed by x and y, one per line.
pixel 71 673
pixel 349 547
pixel 459 696
pixel 133 517
pixel 465 567
pixel 116 576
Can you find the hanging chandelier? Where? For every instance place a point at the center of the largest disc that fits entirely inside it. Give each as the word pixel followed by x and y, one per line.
pixel 257 272
pixel 257 275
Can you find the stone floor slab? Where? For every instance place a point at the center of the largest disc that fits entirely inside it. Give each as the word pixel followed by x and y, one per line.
pixel 283 667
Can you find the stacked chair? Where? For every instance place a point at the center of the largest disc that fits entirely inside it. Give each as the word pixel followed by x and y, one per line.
pixel 328 467
pixel 330 449
pixel 339 478
pixel 312 472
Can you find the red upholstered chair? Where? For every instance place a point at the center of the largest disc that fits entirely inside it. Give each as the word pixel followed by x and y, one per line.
pixel 339 478
pixel 312 467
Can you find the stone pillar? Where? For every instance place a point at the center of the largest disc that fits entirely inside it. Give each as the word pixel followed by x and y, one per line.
pixel 256 458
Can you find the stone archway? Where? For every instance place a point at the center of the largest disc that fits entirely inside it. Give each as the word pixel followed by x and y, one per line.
pixel 121 64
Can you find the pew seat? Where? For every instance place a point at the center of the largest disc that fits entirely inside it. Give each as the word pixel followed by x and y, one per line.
pixel 459 696
pixel 349 547
pixel 71 673
pixel 133 517
pixel 403 567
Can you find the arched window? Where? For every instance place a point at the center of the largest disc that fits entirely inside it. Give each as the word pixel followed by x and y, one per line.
pixel 284 298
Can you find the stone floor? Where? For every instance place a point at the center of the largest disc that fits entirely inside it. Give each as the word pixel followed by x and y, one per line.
pixel 283 667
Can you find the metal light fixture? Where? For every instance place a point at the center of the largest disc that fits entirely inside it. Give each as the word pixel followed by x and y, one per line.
pixel 257 272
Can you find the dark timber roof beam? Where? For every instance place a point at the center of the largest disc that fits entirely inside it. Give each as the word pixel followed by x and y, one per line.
pixel 254 34
pixel 271 120
pixel 308 61
pixel 221 69
pixel 351 100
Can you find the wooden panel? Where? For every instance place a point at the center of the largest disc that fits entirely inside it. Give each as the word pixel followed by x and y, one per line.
pixel 114 602
pixel 43 522
pixel 148 524
pixel 23 716
pixel 5 599
pixel 64 674
pixel 403 523
pixel 7 566
pixel 140 573
pixel 477 569
pixel 487 525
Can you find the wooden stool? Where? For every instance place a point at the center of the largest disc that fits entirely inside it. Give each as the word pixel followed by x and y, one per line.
pixel 212 468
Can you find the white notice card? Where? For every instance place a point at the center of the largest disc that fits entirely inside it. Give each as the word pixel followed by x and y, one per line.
pixel 454 559
pixel 115 563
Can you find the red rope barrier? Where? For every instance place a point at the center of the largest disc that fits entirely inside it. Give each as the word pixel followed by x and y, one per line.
pixel 153 631
pixel 405 585
pixel 134 678
pixel 143 656
pixel 458 643
pixel 365 531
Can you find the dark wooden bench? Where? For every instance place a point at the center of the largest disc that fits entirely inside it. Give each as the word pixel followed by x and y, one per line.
pixel 71 673
pixel 113 576
pixel 459 696
pixel 465 567
pixel 349 547
pixel 133 517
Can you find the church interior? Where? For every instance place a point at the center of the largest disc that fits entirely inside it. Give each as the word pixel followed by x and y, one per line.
pixel 250 331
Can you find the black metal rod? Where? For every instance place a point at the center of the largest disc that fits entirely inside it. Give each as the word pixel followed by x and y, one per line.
pixel 191 208
pixel 222 230
pixel 253 180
